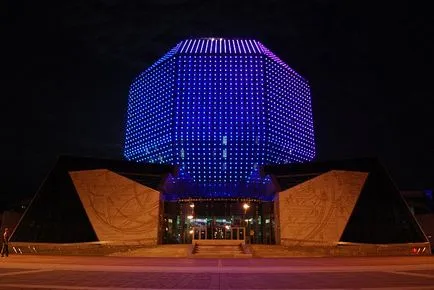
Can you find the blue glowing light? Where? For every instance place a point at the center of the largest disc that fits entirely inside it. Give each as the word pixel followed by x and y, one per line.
pixel 219 108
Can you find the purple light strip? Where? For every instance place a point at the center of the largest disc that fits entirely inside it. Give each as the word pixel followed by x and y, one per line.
pixel 206 46
pixel 188 46
pixel 183 45
pixel 242 45
pixel 238 44
pixel 197 46
pixel 223 46
pixel 256 44
pixel 201 46
pixel 248 47
pixel 193 46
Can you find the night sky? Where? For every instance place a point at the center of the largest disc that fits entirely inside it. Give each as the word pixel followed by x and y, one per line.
pixel 67 67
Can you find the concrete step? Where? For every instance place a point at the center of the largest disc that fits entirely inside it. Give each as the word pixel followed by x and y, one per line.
pixel 219 251
pixel 220 248
pixel 157 251
pixel 278 251
pixel 210 255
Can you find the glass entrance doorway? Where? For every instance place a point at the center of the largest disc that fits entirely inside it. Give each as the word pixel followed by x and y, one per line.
pixel 219 233
pixel 250 220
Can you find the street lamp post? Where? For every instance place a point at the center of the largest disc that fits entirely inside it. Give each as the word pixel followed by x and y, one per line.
pixel 190 220
pixel 246 207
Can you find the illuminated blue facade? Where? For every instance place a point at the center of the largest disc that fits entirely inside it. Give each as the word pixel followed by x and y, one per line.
pixel 219 108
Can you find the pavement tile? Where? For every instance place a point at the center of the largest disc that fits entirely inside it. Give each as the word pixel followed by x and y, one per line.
pixel 216 280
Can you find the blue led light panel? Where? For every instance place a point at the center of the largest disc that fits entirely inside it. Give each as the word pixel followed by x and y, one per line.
pixel 219 108
pixel 220 119
pixel 290 132
pixel 150 115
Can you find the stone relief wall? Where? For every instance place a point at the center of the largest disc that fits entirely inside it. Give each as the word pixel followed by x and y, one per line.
pixel 119 209
pixel 317 211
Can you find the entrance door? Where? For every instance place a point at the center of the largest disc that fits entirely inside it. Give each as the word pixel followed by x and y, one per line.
pixel 219 233
pixel 200 233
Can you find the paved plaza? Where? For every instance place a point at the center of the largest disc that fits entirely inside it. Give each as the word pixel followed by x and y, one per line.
pixel 92 273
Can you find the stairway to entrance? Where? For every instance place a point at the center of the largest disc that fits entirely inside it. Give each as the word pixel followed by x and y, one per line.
pixel 220 251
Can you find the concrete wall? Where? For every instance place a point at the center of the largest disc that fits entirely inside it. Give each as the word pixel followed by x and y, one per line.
pixel 119 209
pixel 316 212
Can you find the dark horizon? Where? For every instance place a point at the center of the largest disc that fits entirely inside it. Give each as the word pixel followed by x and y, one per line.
pixel 69 66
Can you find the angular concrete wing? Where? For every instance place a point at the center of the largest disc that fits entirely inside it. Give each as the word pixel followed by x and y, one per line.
pixel 119 209
pixel 317 211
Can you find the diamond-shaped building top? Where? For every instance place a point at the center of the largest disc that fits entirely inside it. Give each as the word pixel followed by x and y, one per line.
pixel 219 108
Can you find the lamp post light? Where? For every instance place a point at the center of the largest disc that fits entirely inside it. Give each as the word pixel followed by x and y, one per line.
pixel 246 207
pixel 192 211
pixel 192 208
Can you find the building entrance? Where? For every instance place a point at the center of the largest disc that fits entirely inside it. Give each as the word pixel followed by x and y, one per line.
pixel 189 220
pixel 219 233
